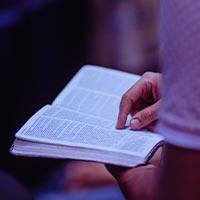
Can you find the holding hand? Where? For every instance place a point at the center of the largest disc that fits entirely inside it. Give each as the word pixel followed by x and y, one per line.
pixel 138 183
pixel 141 101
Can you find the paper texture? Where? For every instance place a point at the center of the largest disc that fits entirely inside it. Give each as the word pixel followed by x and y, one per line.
pixel 84 116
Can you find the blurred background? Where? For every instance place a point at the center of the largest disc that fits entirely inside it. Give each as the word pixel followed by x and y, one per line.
pixel 43 43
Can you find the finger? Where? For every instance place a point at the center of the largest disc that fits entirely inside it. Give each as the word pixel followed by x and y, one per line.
pixel 124 110
pixel 155 159
pixel 145 117
pixel 116 171
pixel 127 101
pixel 152 126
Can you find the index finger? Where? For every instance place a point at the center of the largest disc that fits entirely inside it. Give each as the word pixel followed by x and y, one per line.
pixel 127 102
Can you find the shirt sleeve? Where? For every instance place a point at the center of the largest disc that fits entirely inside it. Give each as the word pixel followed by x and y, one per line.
pixel 180 62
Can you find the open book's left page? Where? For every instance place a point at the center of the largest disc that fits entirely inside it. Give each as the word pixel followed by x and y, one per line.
pixel 55 125
pixel 77 133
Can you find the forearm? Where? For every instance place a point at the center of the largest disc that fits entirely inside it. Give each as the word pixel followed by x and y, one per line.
pixel 177 177
pixel 139 183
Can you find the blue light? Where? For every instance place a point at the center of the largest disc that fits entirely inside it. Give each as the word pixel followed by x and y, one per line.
pixel 13 14
pixel 36 4
pixel 9 17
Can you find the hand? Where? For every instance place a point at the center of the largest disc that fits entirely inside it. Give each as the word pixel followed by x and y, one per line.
pixel 138 183
pixel 141 101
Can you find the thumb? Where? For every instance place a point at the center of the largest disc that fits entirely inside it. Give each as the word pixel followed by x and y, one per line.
pixel 145 116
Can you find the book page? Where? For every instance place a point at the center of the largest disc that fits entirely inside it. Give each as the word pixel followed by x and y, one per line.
pixel 96 91
pixel 37 149
pixel 84 115
pixel 56 125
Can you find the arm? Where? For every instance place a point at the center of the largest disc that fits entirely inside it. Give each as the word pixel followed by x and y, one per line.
pixel 138 183
pixel 176 177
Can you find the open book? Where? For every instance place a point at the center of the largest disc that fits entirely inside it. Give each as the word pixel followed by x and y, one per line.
pixel 80 123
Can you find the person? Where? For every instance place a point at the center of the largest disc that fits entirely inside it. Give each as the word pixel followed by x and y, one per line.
pixel 176 175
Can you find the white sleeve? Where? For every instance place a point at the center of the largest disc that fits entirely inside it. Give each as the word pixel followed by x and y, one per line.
pixel 180 61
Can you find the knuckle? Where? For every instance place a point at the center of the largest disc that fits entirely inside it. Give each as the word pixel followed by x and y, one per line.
pixel 147 78
pixel 125 97
pixel 147 115
pixel 150 77
pixel 149 74
pixel 124 100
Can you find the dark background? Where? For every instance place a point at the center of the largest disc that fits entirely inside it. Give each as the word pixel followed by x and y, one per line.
pixel 43 43
pixel 41 48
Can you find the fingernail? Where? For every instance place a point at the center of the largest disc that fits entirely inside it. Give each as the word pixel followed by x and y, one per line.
pixel 135 123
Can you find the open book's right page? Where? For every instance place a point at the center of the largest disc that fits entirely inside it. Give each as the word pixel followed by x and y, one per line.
pixel 96 91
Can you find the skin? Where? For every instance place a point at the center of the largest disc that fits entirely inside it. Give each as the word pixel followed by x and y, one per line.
pixel 175 177
pixel 133 181
pixel 173 172
pixel 141 101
